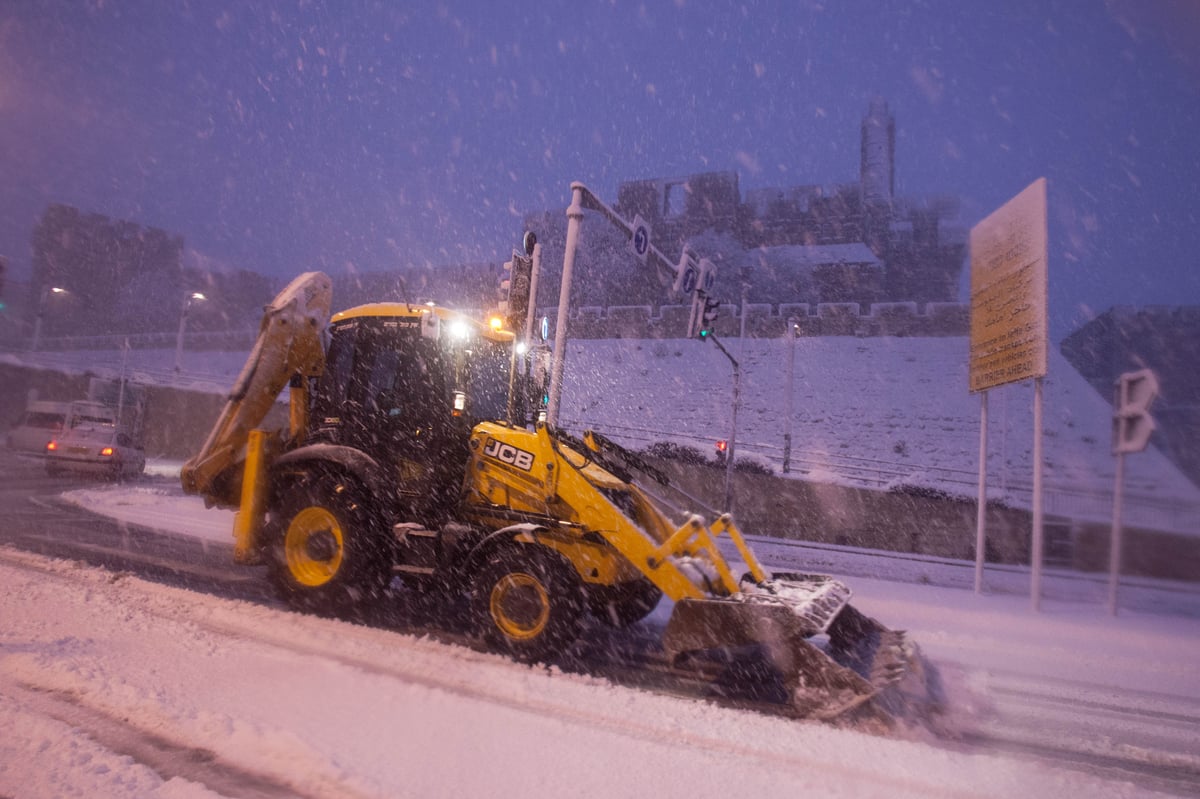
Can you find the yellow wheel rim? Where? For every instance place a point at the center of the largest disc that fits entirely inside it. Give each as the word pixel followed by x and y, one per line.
pixel 520 606
pixel 314 545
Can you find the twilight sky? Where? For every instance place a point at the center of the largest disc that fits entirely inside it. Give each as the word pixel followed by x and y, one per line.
pixel 285 135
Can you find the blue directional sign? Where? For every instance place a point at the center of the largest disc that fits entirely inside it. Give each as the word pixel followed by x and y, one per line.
pixel 690 277
pixel 708 275
pixel 639 242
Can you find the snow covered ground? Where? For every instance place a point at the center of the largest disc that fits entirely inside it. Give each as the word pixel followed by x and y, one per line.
pixel 114 686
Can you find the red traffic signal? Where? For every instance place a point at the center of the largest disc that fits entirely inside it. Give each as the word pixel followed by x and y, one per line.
pixel 722 445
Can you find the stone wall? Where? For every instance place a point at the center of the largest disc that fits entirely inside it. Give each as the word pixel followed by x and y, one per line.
pixel 177 422
pixel 770 321
pixel 928 525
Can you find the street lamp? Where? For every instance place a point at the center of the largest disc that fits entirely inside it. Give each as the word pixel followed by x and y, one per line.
pixel 792 330
pixel 188 301
pixel 41 311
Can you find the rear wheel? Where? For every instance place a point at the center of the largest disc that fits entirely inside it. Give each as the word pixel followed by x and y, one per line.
pixel 528 602
pixel 326 550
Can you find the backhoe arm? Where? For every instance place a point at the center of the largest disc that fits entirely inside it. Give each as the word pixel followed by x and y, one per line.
pixel 289 343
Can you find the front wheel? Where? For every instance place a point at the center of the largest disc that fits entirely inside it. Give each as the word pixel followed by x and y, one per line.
pixel 326 552
pixel 528 602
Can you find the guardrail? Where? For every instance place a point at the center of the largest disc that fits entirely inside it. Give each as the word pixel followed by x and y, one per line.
pixel 200 339
pixel 1064 501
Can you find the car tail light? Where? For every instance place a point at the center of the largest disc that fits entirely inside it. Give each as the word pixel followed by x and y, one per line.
pixel 106 452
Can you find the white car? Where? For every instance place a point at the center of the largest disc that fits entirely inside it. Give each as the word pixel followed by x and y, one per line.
pixel 95 449
pixel 41 423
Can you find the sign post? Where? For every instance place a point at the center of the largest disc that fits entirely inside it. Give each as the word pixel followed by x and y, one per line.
pixel 1009 334
pixel 1132 426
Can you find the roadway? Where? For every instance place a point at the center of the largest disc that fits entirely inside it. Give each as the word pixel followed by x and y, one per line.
pixel 34 519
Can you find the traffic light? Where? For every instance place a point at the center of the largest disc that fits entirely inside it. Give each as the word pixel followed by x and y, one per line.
pixel 708 317
pixel 519 282
pixel 722 447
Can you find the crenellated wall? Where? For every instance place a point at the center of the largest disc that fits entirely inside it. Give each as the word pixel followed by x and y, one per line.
pixel 768 321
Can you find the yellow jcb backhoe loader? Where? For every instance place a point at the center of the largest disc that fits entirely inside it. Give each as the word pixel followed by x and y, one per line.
pixel 398 462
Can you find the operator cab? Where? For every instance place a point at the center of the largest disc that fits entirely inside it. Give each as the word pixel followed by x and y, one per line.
pixel 405 385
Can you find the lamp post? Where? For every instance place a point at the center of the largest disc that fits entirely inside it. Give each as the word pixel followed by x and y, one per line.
pixel 792 328
pixel 41 311
pixel 194 297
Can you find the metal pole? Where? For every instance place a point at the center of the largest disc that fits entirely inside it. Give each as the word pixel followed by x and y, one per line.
pixel 730 452
pixel 791 390
pixel 981 503
pixel 179 337
pixel 37 320
pixel 737 381
pixel 512 382
pixel 1114 546
pixel 1035 583
pixel 574 221
pixel 1003 442
pixel 531 314
pixel 121 385
pixel 742 329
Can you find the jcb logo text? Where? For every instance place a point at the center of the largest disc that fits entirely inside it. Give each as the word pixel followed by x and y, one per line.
pixel 507 453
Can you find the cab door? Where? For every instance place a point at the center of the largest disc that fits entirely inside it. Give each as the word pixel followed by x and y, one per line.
pixel 386 392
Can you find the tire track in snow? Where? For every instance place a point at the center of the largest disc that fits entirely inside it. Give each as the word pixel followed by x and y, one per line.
pixel 1146 737
pixel 167 758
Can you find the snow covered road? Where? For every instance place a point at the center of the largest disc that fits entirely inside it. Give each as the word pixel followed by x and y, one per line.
pixel 116 686
pixel 315 707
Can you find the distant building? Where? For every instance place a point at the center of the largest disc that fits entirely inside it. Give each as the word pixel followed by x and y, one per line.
pixel 113 275
pixel 846 243
pixel 1165 339
pixel 119 278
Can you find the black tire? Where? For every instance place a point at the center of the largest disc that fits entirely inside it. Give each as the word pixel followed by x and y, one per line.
pixel 326 551
pixel 528 602
pixel 621 605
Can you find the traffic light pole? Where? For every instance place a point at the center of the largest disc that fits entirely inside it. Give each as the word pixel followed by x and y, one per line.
pixel 729 454
pixel 574 221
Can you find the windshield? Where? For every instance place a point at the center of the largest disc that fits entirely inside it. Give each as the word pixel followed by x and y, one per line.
pixel 43 420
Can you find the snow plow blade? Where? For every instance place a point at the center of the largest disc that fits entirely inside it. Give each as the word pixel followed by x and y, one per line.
pixel 860 659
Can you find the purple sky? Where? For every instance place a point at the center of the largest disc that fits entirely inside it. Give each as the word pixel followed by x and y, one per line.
pixel 282 136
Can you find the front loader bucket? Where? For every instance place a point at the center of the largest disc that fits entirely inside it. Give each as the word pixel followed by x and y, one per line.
pixel 780 616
